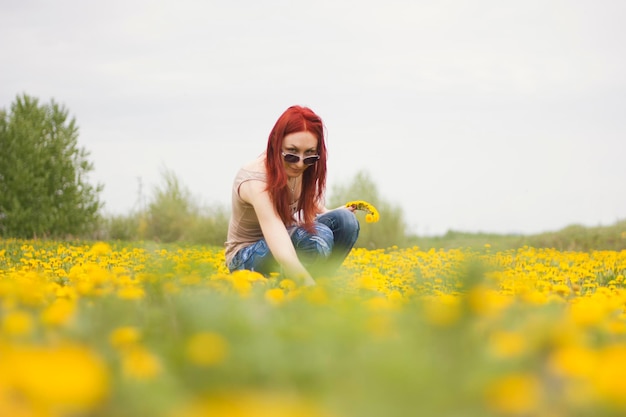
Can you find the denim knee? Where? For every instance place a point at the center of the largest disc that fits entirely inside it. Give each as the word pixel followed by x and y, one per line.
pixel 344 225
pixel 312 247
pixel 349 221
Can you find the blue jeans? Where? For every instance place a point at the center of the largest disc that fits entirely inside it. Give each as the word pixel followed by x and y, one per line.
pixel 321 252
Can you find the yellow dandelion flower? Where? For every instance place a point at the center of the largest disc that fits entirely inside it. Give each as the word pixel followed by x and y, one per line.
pixel 371 215
pixel 275 296
pixel 588 311
pixel 242 280
pixel 442 310
pixel 515 394
pixel 287 284
pixel 573 361
pixel 507 344
pixel 131 292
pixel 608 374
pixel 206 349
pixel 59 313
pixel 68 377
pixel 100 249
pixel 125 336
pixel 380 304
pixel 139 363
pixel 17 323
pixel 251 404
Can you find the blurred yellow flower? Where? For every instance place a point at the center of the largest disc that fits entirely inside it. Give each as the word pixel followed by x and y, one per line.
pixel 573 361
pixel 514 394
pixel 486 301
pixel 275 296
pixel 443 310
pixel 100 249
pixel 287 284
pixel 139 363
pixel 125 336
pixel 68 378
pixel 587 311
pixel 608 375
pixel 507 344
pixel 206 349
pixel 242 280
pixel 59 313
pixel 251 404
pixel 17 323
pixel 131 292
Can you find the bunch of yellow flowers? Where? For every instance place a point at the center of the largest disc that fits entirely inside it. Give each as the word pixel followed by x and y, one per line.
pixel 372 215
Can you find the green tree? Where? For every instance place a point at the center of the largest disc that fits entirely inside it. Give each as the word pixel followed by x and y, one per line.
pixel 172 211
pixel 44 187
pixel 389 230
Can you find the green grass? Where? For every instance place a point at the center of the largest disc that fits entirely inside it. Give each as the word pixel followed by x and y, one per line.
pixel 570 238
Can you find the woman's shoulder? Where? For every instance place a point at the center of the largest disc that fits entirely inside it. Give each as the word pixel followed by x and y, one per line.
pixel 256 165
pixel 253 170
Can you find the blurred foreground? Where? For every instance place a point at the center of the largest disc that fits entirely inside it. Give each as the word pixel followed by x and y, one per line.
pixel 136 330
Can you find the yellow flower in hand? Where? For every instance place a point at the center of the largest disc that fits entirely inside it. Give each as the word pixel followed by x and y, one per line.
pixel 372 215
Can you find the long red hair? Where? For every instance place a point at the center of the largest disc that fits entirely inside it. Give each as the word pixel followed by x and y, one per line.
pixel 296 119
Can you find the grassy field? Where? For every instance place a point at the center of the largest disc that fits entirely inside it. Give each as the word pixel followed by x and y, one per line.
pixel 571 238
pixel 481 329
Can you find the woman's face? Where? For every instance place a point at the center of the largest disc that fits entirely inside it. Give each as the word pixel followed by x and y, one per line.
pixel 301 144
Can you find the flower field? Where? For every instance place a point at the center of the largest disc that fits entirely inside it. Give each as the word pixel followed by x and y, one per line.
pixel 99 329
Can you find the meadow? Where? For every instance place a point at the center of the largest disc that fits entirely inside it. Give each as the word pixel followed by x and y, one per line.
pixel 120 329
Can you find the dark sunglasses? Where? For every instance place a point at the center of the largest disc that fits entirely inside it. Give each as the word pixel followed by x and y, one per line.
pixel 294 159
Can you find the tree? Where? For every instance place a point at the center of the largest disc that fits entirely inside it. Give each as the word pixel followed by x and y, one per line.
pixel 172 210
pixel 389 230
pixel 44 187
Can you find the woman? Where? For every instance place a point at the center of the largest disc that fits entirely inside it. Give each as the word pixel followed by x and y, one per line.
pixel 279 222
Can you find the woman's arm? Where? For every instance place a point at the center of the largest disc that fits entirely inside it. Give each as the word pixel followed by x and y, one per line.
pixel 274 231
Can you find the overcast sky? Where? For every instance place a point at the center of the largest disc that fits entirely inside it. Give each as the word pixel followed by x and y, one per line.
pixel 477 115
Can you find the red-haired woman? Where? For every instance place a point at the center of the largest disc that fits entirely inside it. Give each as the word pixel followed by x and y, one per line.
pixel 278 221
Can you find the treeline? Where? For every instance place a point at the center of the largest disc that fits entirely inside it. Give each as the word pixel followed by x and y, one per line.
pixel 45 193
pixel 570 238
pixel 173 214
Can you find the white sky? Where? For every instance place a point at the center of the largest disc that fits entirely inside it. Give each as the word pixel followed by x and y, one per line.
pixel 476 115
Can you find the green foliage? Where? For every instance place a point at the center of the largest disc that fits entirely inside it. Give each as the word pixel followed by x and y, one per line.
pixel 122 227
pixel 172 211
pixel 580 238
pixel 570 238
pixel 390 230
pixel 210 226
pixel 172 215
pixel 44 187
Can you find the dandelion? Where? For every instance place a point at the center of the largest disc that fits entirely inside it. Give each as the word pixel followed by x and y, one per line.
pixel 125 336
pixel 574 361
pixel 59 313
pixel 514 394
pixel 608 375
pixel 140 364
pixel 372 215
pixel 442 310
pixel 67 378
pixel 506 345
pixel 275 296
pixel 206 349
pixel 17 323
pixel 251 404
pixel 100 249
pixel 287 284
pixel 131 292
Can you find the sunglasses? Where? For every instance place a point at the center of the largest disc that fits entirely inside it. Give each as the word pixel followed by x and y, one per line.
pixel 294 159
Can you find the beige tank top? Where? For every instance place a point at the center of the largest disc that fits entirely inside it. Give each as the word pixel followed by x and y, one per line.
pixel 244 228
